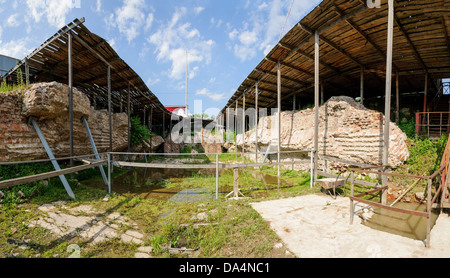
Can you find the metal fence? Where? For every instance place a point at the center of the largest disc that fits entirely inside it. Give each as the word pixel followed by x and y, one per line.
pixel 432 124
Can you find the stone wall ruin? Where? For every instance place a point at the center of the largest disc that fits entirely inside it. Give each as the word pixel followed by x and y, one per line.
pixel 348 131
pixel 48 103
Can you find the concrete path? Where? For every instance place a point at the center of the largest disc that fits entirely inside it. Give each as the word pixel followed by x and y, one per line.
pixel 316 226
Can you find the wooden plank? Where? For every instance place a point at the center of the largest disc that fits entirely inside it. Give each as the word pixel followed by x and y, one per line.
pixel 407 211
pixel 23 180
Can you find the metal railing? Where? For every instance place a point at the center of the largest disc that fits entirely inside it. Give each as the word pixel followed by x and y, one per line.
pixel 432 124
pixel 100 159
pixel 430 200
pixel 216 165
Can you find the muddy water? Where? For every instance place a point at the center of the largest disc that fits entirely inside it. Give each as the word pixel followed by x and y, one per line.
pixel 402 224
pixel 149 183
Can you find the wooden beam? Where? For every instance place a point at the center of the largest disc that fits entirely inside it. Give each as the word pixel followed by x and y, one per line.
pixel 311 57
pixel 330 43
pixel 44 176
pixel 60 33
pixel 447 39
pixel 270 83
pixel 358 29
pixel 284 64
pixel 282 76
pixel 411 44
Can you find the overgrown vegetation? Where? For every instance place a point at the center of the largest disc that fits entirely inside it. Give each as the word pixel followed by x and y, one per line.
pixel 408 125
pixel 10 87
pixel 166 223
pixel 139 132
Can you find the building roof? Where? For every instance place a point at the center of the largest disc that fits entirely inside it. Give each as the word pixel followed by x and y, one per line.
pixel 91 57
pixel 354 36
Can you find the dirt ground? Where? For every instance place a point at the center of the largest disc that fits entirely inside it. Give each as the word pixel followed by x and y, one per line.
pixel 316 226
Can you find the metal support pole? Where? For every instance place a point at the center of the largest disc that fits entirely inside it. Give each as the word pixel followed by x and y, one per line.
pixel 429 206
pixel 397 99
pixel 27 72
pixel 312 170
pixel 70 81
pixel 279 117
pixel 217 176
pixel 352 206
pixel 388 94
pixel 121 106
pixel 243 128
pixel 425 97
pixel 316 103
pixel 52 157
pixel 109 173
pixel 322 92
pixel 164 125
pixel 361 89
pixel 129 118
pixel 236 127
pixel 256 122
pixel 110 109
pixel 294 100
pixel 91 139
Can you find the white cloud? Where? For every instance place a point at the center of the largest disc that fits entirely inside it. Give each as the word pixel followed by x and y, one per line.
pixel 233 34
pixel 174 38
pixel 216 23
pixel 198 10
pixel 54 10
pixel 15 48
pixel 208 93
pixel 149 22
pixel 262 30
pixel 112 43
pixel 152 82
pixel 98 6
pixel 131 18
pixel 13 21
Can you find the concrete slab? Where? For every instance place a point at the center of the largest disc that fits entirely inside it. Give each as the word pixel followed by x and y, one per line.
pixel 316 226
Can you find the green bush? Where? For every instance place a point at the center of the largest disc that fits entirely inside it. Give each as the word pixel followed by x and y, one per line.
pixel 139 132
pixel 188 149
pixel 408 125
pixel 426 154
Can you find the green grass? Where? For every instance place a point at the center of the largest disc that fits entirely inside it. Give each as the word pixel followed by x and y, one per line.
pixel 162 222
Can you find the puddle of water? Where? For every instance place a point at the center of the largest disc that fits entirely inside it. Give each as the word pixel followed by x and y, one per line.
pixel 149 183
pixel 193 195
pixel 402 224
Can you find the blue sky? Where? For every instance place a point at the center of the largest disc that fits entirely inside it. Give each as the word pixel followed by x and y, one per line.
pixel 225 40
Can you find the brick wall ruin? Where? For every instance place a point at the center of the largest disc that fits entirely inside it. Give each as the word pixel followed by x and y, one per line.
pixel 48 102
pixel 347 129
